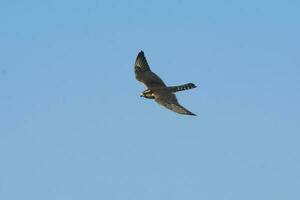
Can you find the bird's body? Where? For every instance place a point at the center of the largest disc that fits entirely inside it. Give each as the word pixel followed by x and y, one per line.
pixel 157 89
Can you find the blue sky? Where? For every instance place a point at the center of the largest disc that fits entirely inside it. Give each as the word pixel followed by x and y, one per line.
pixel 74 127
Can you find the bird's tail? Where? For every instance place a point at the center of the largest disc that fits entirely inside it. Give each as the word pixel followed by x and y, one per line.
pixel 181 87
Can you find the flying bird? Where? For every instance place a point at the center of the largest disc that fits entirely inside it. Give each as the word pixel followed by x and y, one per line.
pixel 156 89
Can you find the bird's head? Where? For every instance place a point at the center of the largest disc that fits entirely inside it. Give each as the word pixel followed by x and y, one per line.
pixel 147 94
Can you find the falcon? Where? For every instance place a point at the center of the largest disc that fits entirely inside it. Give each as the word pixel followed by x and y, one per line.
pixel 156 89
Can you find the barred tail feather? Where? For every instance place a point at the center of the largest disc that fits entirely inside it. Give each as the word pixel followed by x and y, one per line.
pixel 182 87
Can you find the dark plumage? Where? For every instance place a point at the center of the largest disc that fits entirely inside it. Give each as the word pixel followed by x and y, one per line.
pixel 157 89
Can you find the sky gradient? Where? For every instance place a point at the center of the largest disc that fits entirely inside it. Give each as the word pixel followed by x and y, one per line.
pixel 74 127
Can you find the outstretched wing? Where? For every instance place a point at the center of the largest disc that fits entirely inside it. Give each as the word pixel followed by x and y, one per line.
pixel 169 100
pixel 144 74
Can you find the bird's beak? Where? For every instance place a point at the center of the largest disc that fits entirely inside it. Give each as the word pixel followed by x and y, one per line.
pixel 141 95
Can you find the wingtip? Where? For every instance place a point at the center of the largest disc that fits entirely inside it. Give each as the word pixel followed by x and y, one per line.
pixel 190 113
pixel 141 52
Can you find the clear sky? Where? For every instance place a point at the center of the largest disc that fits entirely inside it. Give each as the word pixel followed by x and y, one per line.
pixel 73 127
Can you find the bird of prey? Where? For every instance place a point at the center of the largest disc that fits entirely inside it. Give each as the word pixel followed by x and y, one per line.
pixel 156 89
